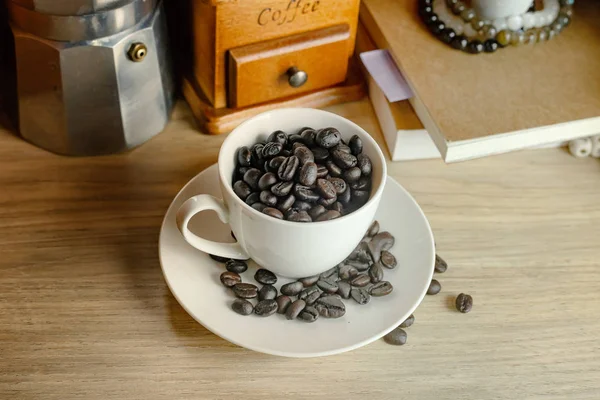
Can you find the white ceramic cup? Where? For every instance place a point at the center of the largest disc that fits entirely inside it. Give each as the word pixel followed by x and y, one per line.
pixel 290 249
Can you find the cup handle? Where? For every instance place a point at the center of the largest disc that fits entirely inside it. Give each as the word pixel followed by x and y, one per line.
pixel 200 203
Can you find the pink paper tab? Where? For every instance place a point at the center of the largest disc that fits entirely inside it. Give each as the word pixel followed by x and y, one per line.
pixel 386 74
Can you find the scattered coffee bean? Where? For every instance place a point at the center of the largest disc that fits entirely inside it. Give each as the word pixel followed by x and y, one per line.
pixel 268 198
pixel 330 273
pixel 347 272
pixel 327 285
pixel 316 211
pixel 278 137
pixel 241 189
pixel 360 265
pixel 245 290
pixel 309 281
pixel 320 154
pixel 305 193
pixel 364 163
pixel 343 160
pixel 360 295
pixel 408 322
pixel 299 216
pixel 304 155
pixel 282 188
pixel 434 287
pixel 237 266
pixel 283 302
pixel 244 156
pixel 380 242
pixel 271 212
pixel 286 203
pixel 328 137
pixel 397 337
pixel 308 137
pixel 309 314
pixel 271 149
pixel 265 277
pixel 295 309
pixel 464 303
pixel 382 288
pixel 356 145
pixel 329 215
pixel 242 307
pixel 230 279
pixel 361 280
pixel 440 265
pixel 344 289
pixel 292 288
pixel 330 307
pixel 351 175
pixel 264 308
pixel 388 260
pixel 376 273
pixel 266 181
pixel 308 174
pixel 267 292
pixel 219 258
pixel 300 205
pixel 260 207
pixel 310 295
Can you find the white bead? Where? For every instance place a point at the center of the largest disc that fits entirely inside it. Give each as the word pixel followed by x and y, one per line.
pixel 514 22
pixel 500 24
pixel 595 146
pixel 580 147
pixel 549 19
pixel 539 20
pixel 528 20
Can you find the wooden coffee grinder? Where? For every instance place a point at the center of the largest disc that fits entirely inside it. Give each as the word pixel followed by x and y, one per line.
pixel 249 56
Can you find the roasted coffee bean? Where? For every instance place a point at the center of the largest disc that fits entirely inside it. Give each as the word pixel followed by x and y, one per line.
pixel 382 288
pixel 309 314
pixel 267 292
pixel 326 189
pixel 397 337
pixel 376 273
pixel 308 137
pixel 322 171
pixel 320 153
pixel 242 189
pixel 351 175
pixel 300 216
pixel 271 212
pixel 278 137
pixel 408 322
pixel 360 265
pixel 434 287
pixel 271 149
pixel 343 160
pixel 330 273
pixel 260 207
pixel 337 206
pixel 342 147
pixel 230 279
pixel 329 215
pixel 282 188
pixel 316 211
pixel 286 203
pixel 360 295
pixel 244 156
pixel 257 160
pixel 265 277
pixel 356 145
pixel 330 307
pixel 302 205
pixel 308 174
pixel 242 307
pixel 304 155
pixel 295 309
pixel 245 290
pixel 294 138
pixel 285 153
pixel 219 258
pixel 251 177
pixel 288 168
pixel 346 271
pixel 339 185
pixel 264 308
pixel 363 183
pixel 327 202
pixel 283 302
pixel 464 303
pixel 252 198
pixel 292 288
pixel 328 137
pixel 267 180
pixel 360 280
pixel 388 260
pixel 380 242
pixel 276 162
pixel 328 286
pixel 440 265
pixel 305 193
pixel 345 197
pixel 310 295
pixel 309 281
pixel 268 198
pixel 364 163
pixel 333 169
pixel 360 196
pixel 373 229
pixel 297 145
pixel 337 296
pixel 344 289
pixel 237 266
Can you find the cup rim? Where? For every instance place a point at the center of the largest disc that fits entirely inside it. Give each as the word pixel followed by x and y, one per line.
pixel 364 136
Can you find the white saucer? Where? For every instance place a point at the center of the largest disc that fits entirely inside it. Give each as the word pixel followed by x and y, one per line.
pixel 193 278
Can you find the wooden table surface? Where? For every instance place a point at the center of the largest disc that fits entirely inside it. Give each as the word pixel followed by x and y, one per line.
pixel 85 313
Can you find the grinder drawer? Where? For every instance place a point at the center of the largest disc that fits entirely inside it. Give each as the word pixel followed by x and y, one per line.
pixel 288 66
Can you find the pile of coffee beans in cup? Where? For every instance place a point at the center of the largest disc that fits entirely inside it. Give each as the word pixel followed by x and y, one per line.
pixel 359 278
pixel 310 176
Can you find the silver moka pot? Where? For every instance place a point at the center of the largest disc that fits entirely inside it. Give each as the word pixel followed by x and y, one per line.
pixel 93 76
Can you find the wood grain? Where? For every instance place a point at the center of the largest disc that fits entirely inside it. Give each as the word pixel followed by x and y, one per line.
pixel 85 313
